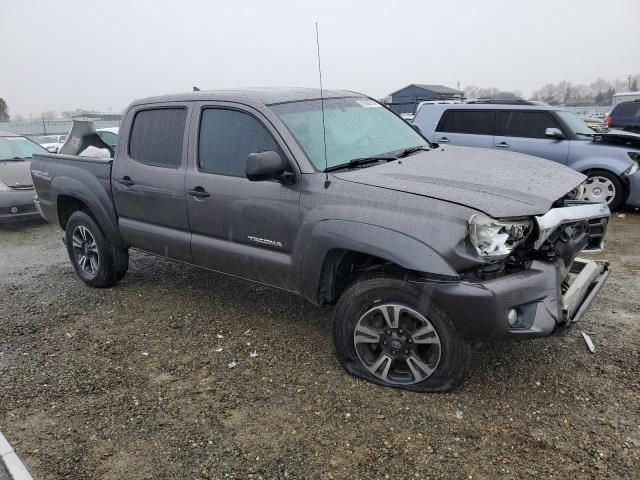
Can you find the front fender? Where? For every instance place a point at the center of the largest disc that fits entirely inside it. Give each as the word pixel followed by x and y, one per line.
pixel 613 165
pixel 92 194
pixel 390 245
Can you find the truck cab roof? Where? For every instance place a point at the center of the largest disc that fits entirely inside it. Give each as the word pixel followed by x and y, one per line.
pixel 263 96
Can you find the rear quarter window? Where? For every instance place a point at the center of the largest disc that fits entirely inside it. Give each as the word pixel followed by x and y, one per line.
pixel 157 135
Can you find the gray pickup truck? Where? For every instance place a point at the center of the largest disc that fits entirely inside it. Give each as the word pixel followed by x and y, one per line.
pixel 421 249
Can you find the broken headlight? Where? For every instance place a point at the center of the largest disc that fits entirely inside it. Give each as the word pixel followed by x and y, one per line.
pixel 497 238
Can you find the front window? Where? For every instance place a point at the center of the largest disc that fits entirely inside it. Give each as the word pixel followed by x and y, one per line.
pixel 355 128
pixel 575 123
pixel 18 148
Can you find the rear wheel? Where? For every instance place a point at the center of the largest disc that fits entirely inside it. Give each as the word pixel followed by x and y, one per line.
pixel 97 262
pixel 387 331
pixel 605 187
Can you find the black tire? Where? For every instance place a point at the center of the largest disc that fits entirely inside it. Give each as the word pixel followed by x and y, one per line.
pixel 371 293
pixel 121 262
pixel 617 196
pixel 84 238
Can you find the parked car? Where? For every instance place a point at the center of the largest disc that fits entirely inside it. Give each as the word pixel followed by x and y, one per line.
pixel 421 250
pixel 609 161
pixel 109 135
pixel 16 187
pixel 625 116
pixel 52 143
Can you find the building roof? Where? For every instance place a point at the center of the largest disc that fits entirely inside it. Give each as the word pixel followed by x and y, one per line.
pixel 262 96
pixel 432 88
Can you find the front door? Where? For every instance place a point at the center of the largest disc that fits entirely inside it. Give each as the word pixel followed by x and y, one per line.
pixel 148 181
pixel 524 131
pixel 240 227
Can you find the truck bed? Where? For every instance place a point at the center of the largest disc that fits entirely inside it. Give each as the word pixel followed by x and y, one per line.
pixel 85 178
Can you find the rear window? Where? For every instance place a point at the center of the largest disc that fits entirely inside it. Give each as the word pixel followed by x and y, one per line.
pixel 477 122
pixel 628 109
pixel 157 135
pixel 527 124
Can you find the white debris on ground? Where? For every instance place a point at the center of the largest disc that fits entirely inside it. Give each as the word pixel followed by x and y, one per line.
pixel 232 364
pixel 253 354
pixel 459 414
pixel 218 350
pixel 219 336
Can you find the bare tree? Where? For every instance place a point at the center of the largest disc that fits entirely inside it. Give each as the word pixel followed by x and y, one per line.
pixel 4 111
pixel 17 118
pixel 49 115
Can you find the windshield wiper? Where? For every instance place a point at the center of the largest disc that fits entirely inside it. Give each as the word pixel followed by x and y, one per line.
pixel 410 151
pixel 14 159
pixel 585 134
pixel 360 161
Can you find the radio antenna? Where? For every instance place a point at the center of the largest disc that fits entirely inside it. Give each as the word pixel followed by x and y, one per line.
pixel 324 130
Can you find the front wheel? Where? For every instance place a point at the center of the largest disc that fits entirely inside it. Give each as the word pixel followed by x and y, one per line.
pixel 387 331
pixel 605 187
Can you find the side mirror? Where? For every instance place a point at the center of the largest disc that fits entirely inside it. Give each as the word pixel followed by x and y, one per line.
pixel 554 133
pixel 267 166
pixel 416 128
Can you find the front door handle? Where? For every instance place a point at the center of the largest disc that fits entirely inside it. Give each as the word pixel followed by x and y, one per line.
pixel 502 145
pixel 126 181
pixel 198 192
pixel 443 140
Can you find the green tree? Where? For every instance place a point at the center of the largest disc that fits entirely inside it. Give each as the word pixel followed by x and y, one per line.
pixel 4 111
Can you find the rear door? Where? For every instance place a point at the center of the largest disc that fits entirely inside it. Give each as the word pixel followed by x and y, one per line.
pixel 148 180
pixel 524 131
pixel 239 227
pixel 469 128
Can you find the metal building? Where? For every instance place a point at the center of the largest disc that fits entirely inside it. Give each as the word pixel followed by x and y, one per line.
pixel 407 99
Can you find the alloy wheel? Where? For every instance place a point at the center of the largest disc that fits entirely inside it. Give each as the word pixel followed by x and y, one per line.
pixel 397 344
pixel 85 250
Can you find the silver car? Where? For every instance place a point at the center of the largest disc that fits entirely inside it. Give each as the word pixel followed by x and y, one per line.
pixel 609 160
pixel 16 186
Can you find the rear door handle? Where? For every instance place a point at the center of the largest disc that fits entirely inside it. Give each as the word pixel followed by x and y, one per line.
pixel 443 140
pixel 126 181
pixel 502 145
pixel 198 192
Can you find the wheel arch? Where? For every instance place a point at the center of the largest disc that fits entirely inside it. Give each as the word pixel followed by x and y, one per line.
pixel 71 195
pixel 339 250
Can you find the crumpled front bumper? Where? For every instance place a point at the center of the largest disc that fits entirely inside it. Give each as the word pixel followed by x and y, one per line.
pixel 480 311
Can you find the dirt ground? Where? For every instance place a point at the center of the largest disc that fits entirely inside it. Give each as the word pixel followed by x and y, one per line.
pixel 133 382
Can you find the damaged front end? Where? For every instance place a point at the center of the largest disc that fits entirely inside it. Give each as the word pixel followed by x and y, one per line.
pixel 537 284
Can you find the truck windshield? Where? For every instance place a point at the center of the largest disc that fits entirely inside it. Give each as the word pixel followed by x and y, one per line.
pixel 356 128
pixel 18 148
pixel 575 123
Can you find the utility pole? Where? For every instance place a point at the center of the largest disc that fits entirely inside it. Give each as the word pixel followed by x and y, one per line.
pixel 44 125
pixel 629 83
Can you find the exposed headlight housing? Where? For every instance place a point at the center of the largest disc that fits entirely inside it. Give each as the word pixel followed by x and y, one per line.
pixel 497 238
pixel 4 187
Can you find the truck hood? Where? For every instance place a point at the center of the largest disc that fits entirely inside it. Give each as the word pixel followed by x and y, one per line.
pixel 500 184
pixel 16 173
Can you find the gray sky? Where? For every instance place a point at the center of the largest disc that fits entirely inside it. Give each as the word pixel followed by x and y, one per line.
pixel 66 54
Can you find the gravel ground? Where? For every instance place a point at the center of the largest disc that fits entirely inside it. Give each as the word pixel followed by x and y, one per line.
pixel 134 382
